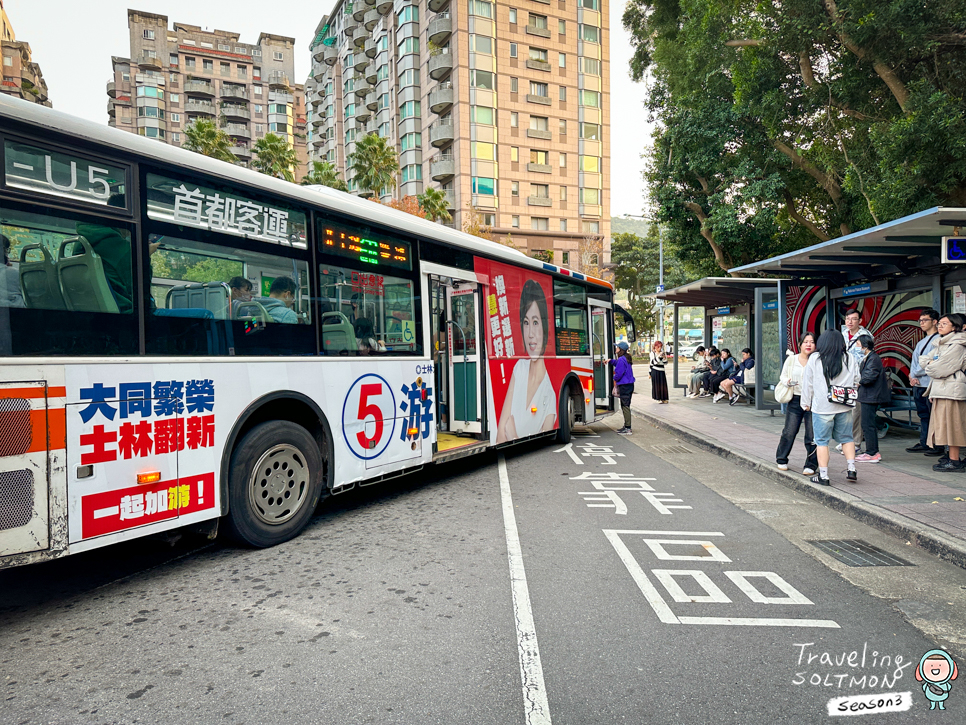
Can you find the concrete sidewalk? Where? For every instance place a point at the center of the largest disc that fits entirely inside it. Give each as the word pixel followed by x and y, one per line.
pixel 902 495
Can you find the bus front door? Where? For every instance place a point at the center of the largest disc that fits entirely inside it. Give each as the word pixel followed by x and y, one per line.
pixel 462 307
pixel 600 318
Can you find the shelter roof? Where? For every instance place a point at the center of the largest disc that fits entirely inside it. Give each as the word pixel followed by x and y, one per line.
pixel 717 291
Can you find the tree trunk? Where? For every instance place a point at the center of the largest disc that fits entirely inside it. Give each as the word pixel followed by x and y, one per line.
pixel 827 182
pixel 719 254
pixel 805 222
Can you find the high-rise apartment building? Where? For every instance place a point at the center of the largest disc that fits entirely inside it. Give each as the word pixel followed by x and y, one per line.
pixel 502 105
pixel 175 76
pixel 21 76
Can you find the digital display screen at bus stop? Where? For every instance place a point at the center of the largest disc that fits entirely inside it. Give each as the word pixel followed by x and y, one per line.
pixel 364 246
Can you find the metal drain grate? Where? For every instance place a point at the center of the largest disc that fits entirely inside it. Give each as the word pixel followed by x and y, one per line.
pixel 855 552
pixel 672 450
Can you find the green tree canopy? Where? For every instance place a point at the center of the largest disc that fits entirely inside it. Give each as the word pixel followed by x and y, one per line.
pixel 434 205
pixel 275 157
pixel 324 174
pixel 204 137
pixel 374 164
pixel 783 124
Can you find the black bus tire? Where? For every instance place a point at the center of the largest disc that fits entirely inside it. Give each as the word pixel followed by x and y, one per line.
pixel 274 483
pixel 566 415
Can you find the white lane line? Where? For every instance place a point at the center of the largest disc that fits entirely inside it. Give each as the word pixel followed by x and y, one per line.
pixel 536 707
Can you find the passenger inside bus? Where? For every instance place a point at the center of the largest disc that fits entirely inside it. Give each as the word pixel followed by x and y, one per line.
pixel 10 294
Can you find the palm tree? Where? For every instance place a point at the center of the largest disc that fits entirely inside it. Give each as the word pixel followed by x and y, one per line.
pixel 324 174
pixel 433 203
pixel 204 137
pixel 273 156
pixel 374 164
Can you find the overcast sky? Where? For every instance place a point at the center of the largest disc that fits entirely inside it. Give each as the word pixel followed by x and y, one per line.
pixel 73 43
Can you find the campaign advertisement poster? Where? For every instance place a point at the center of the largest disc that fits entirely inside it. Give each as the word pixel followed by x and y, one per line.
pixel 524 373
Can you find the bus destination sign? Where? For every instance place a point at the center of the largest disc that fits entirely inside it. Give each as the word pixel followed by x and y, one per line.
pixel 571 342
pixel 64 175
pixel 364 247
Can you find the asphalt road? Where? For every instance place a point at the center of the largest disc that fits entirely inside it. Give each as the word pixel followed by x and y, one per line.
pixel 397 605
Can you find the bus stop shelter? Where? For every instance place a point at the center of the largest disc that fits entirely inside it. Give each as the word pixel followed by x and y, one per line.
pixel 888 273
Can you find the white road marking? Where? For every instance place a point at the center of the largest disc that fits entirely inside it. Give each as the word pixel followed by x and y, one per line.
pixel 536 707
pixel 660 501
pixel 761 622
pixel 569 450
pixel 712 593
pixel 792 595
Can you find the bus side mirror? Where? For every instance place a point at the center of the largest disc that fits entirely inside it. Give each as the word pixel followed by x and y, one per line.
pixel 628 323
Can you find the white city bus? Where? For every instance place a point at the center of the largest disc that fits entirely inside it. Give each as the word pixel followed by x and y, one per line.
pixel 184 341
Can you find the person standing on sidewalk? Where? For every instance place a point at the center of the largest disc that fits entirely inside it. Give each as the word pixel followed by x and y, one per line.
pixel 658 376
pixel 624 382
pixel 851 330
pixel 947 391
pixel 792 373
pixel 874 390
pixel 832 366
pixel 920 381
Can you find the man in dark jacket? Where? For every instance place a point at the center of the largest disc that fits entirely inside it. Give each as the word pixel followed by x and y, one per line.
pixel 875 390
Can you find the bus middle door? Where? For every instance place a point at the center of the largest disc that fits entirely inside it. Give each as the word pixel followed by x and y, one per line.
pixel 462 315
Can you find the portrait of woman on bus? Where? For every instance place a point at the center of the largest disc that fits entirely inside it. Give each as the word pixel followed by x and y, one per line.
pixel 530 406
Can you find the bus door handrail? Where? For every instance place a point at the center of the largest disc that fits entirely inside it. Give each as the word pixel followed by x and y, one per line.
pixel 465 376
pixel 602 358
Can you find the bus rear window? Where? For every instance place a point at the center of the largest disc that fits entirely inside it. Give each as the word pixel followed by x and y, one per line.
pixel 67 282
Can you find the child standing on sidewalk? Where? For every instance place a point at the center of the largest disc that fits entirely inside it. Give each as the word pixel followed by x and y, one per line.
pixel 624 382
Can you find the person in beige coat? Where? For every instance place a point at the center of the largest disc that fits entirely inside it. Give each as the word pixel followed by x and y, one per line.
pixel 947 391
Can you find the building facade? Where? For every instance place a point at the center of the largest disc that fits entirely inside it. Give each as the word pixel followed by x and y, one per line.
pixel 21 76
pixel 503 106
pixel 174 76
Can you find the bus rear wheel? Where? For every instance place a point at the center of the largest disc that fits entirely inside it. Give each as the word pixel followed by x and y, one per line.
pixel 274 483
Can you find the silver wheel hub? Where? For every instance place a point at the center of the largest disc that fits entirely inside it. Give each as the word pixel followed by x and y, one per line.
pixel 279 484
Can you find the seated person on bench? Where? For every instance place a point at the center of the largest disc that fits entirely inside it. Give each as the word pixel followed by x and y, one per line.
pixel 728 386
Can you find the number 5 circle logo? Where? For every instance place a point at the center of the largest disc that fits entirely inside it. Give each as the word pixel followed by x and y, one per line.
pixel 369 416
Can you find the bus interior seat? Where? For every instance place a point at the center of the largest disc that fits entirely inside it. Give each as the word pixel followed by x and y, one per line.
pixel 38 280
pixel 195 312
pixel 211 296
pixel 337 333
pixel 82 279
pixel 251 308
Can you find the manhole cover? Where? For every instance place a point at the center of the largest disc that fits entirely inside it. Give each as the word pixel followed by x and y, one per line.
pixel 855 552
pixel 672 450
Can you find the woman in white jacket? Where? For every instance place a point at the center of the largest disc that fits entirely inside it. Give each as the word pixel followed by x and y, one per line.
pixel 792 373
pixel 947 391
pixel 830 365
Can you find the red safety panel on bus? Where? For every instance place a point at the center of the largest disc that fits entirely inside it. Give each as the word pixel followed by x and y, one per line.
pixel 126 508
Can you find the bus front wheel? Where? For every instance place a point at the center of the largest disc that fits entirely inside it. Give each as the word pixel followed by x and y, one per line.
pixel 275 480
pixel 567 415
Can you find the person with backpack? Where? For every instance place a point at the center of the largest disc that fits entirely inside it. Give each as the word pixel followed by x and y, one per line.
pixel 624 382
pixel 875 390
pixel 829 391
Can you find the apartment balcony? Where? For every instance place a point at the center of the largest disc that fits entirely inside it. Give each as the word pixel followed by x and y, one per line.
pixel 538 64
pixel 199 88
pixel 371 77
pixel 318 75
pixel 539 201
pixel 440 66
pixel 535 133
pixel 442 167
pixel 450 196
pixel 539 32
pixel 149 63
pixel 440 29
pixel 350 25
pixel 359 62
pixel 441 135
pixel 370 3
pixel 437 5
pixel 237 130
pixel 360 40
pixel 319 142
pixel 540 168
pixel 277 79
pixel 242 152
pixel 330 55
pixel 234 92
pixel 362 88
pixel 236 112
pixel 371 19
pixel 370 48
pixel 111 110
pixel 542 100
pixel 363 114
pixel 359 11
pixel 319 54
pixel 206 108
pixel 112 89
pixel 441 98
pixel 318 121
pixel 383 6
pixel 372 101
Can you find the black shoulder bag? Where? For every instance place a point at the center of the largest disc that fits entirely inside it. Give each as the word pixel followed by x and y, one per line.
pixel 840 394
